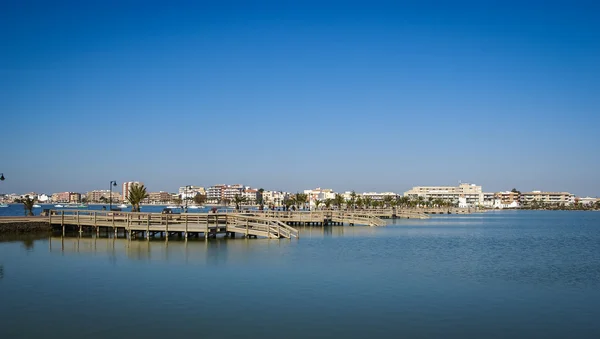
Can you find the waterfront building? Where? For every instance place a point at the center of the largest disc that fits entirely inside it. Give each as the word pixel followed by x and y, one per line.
pixel 61 197
pixel 189 192
pixel 43 198
pixel 230 191
pixel 158 198
pixel 127 185
pixel 378 196
pixel 319 194
pixel 552 198
pixel 97 195
pixel 275 198
pixel 489 199
pixel 587 201
pixel 472 194
pixel 215 193
pixel 250 194
pixel 74 198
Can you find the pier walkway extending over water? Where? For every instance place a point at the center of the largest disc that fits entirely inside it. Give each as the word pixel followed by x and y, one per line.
pixel 270 224
pixel 149 224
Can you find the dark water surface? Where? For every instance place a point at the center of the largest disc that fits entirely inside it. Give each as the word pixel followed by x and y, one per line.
pixel 496 275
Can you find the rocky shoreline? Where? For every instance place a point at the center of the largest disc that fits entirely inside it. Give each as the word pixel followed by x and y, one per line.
pixel 25 227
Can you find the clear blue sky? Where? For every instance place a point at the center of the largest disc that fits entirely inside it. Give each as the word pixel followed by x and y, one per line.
pixel 370 96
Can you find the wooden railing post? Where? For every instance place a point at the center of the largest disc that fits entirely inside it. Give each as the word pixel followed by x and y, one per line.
pixel 186 226
pixel 148 226
pixel 62 222
pixel 167 227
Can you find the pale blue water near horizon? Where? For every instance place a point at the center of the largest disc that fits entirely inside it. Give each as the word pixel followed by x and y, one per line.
pixel 518 274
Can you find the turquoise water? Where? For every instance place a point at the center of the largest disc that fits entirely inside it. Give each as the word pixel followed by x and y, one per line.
pixel 518 274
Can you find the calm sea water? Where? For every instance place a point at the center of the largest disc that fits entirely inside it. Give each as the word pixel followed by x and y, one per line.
pixel 512 274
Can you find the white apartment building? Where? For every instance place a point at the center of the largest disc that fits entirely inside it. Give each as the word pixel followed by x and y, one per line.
pixel 379 196
pixel 215 193
pixel 250 194
pixel 231 191
pixel 554 198
pixel 587 201
pixel 275 198
pixel 472 194
pixel 127 185
pixel 319 194
pixel 191 191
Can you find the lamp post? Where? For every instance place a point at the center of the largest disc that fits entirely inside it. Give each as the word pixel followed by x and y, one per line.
pixel 2 179
pixel 112 183
pixel 186 197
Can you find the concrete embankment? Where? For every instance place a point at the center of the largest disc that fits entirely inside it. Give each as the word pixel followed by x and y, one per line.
pixel 21 227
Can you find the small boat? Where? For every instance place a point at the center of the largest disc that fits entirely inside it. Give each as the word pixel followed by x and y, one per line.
pixel 81 206
pixel 3 205
pixel 172 207
pixel 123 206
pixel 193 207
pixel 59 206
pixel 36 206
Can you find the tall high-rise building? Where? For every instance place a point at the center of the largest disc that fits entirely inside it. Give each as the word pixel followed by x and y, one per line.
pixel 127 185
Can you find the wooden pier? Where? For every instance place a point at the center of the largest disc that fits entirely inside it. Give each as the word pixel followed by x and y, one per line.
pixel 251 223
pixel 269 224
pixel 188 224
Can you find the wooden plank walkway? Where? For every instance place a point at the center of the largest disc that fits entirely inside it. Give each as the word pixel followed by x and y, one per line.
pixel 270 224
pixel 149 224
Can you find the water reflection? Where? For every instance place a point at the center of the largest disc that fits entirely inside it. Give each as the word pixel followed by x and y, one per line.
pixel 218 251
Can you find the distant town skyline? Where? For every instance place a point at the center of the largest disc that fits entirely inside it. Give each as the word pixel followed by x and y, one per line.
pixel 176 188
pixel 292 95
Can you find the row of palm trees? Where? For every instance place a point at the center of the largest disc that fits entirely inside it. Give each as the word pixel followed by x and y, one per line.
pixel 356 201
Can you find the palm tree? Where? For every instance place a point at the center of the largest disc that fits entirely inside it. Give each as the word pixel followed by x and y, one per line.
pixel 239 200
pixel 359 202
pixel 261 201
pixel 403 201
pixel 368 201
pixel 103 199
pixel 28 205
pixel 352 201
pixel 288 201
pixel 338 200
pixel 137 194
pixel 199 199
pixel 300 199
pixel 387 200
pixel 328 202
pixel 318 203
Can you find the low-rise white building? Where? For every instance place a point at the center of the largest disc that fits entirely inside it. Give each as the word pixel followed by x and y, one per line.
pixel 587 201
pixel 379 196
pixel 275 198
pixel 250 194
pixel 551 198
pixel 319 194
pixel 472 194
